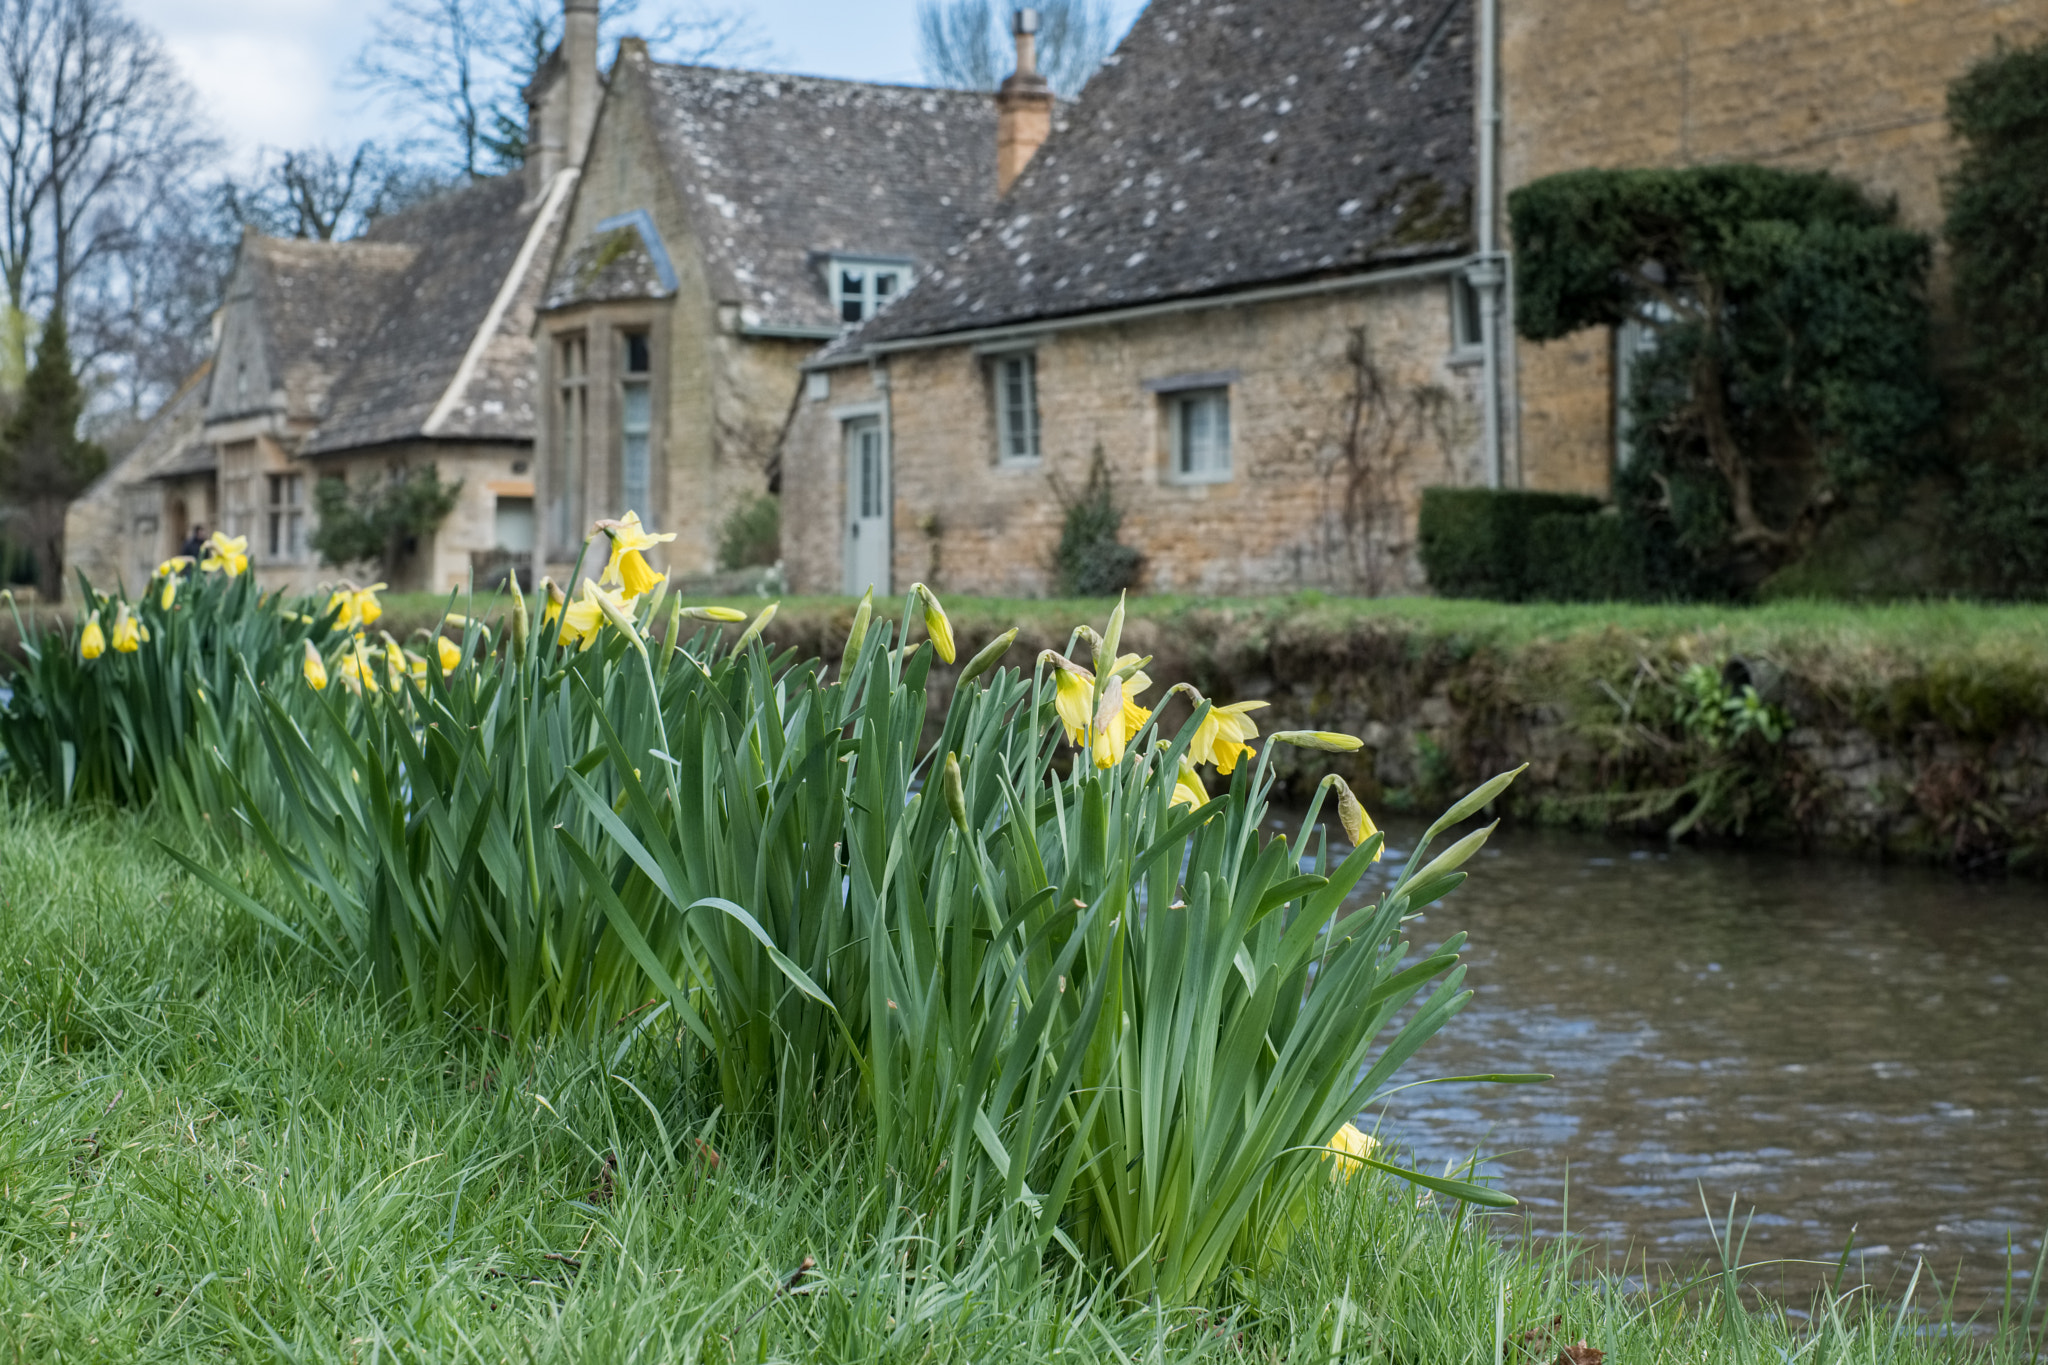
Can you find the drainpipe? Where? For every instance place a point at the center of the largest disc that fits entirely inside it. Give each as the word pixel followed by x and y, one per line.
pixel 1488 271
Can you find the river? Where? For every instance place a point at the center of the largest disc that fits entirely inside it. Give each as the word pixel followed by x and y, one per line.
pixel 1836 1046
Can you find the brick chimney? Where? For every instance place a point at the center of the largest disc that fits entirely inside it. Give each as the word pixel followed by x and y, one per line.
pixel 561 100
pixel 1023 106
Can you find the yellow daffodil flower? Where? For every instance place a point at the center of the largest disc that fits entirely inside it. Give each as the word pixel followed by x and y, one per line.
pixel 583 618
pixel 129 633
pixel 628 567
pixel 1221 737
pixel 416 667
pixel 1187 788
pixel 92 641
pixel 1135 682
pixel 1073 697
pixel 395 666
pixel 356 669
pixel 170 592
pixel 1351 1144
pixel 315 669
pixel 936 623
pixel 1112 733
pixel 176 564
pixel 354 607
pixel 555 602
pixel 450 652
pixel 226 554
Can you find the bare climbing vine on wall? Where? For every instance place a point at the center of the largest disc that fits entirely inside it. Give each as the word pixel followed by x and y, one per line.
pixel 1386 431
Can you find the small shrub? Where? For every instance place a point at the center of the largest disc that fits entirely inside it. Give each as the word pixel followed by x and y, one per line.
pixel 1090 560
pixel 1608 556
pixel 1474 542
pixel 382 519
pixel 752 534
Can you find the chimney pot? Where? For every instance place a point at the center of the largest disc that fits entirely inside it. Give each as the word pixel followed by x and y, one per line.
pixel 1023 106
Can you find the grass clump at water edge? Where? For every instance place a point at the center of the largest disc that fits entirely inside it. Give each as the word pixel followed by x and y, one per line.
pixel 212 1148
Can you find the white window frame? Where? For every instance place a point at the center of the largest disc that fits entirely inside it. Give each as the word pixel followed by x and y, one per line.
pixel 1178 405
pixel 1002 366
pixel 869 270
pixel 636 432
pixel 284 520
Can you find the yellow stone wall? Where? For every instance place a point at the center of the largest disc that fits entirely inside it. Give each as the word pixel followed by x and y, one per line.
pixel 1856 87
pixel 966 523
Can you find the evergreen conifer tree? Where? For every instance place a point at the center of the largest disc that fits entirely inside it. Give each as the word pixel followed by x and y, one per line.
pixel 43 463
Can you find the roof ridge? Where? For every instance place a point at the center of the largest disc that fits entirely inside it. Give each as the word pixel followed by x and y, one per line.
pixel 949 90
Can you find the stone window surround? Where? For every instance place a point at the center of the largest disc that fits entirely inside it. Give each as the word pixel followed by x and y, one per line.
pixel 1168 390
pixel 605 327
pixel 900 267
pixel 991 360
pixel 1461 302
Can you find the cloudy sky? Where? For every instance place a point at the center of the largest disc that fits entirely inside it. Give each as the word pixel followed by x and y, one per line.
pixel 272 72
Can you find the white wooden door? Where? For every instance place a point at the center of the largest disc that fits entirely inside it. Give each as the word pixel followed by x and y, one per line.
pixel 867 507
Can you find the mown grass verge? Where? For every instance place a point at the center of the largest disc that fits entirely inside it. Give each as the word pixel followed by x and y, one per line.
pixel 213 1148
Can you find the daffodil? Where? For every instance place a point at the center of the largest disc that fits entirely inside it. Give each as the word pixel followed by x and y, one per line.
pixel 1073 697
pixel 1135 682
pixel 450 652
pixel 1112 731
pixel 129 632
pixel 176 564
pixel 1350 1145
pixel 355 607
pixel 356 669
pixel 555 602
pixel 628 567
pixel 315 668
pixel 1221 737
pixel 170 592
pixel 92 641
pixel 1187 788
pixel 396 668
pixel 583 618
pixel 936 623
pixel 226 554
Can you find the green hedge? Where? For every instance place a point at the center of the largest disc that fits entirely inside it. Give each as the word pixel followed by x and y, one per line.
pixel 1508 545
pixel 1475 541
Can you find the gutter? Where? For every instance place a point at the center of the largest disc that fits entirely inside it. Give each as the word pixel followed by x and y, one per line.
pixel 1373 279
pixel 790 331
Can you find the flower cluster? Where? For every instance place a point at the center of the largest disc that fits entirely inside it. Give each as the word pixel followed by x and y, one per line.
pixel 609 598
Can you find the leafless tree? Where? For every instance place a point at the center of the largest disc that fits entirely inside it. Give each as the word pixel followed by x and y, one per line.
pixel 460 65
pixel 324 195
pixel 966 44
pixel 94 116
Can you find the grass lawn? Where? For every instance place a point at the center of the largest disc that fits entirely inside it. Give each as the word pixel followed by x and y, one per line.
pixel 213 1148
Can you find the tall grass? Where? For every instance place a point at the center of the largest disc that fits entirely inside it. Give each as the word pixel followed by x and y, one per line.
pixel 212 1148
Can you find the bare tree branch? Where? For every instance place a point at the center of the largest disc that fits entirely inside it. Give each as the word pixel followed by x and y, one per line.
pixel 966 44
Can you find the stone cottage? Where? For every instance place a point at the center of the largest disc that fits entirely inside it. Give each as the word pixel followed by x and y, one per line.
pixel 727 223
pixel 1846 86
pixel 1237 277
pixel 360 360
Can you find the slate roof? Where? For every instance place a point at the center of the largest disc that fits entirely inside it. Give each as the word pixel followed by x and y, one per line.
pixel 318 302
pixel 778 170
pixel 464 247
pixel 1226 144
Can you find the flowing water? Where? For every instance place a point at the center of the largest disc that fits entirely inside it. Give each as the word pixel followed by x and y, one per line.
pixel 1837 1047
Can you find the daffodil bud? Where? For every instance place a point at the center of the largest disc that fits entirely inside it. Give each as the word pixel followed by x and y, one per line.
pixel 956 791
pixel 1114 635
pixel 936 623
pixel 991 654
pixel 1351 813
pixel 1328 741
pixel 727 614
pixel 315 668
pixel 858 635
pixel 521 626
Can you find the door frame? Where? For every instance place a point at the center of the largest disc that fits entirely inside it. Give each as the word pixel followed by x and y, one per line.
pixel 842 417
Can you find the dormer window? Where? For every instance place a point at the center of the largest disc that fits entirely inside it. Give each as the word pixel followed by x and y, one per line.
pixel 862 288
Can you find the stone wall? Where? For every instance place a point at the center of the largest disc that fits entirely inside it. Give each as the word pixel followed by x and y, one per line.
pixel 967 522
pixel 1898 747
pixel 1856 87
